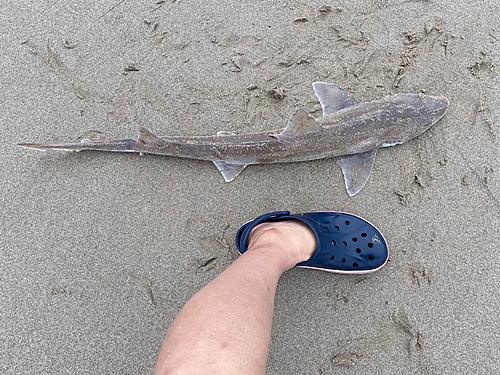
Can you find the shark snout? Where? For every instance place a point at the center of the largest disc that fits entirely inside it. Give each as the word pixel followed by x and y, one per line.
pixel 436 105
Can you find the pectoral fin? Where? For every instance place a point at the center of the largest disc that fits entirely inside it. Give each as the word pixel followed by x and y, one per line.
pixel 357 169
pixel 333 98
pixel 229 171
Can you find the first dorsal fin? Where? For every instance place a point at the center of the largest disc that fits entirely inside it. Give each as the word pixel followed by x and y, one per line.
pixel 301 122
pixel 146 136
pixel 333 98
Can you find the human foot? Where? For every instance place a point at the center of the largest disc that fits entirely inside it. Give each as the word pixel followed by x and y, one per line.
pixel 346 243
pixel 292 239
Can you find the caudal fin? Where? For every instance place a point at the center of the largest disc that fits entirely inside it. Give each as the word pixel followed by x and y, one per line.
pixel 59 146
pixel 122 145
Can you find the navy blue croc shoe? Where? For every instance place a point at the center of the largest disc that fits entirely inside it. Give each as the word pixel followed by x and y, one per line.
pixel 346 243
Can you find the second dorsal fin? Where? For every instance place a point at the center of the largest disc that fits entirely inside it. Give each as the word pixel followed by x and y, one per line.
pixel 146 136
pixel 301 122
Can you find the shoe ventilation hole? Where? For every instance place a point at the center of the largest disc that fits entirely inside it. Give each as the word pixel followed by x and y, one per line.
pixel 370 257
pixel 363 234
pixel 370 245
pixel 326 228
pixel 347 223
pixel 332 257
pixel 355 264
pixel 343 260
pixel 358 251
pixel 344 244
pixel 354 239
pixel 334 243
pixel 337 227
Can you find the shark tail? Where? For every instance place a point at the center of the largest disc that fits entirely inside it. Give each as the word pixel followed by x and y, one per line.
pixel 122 145
pixel 140 144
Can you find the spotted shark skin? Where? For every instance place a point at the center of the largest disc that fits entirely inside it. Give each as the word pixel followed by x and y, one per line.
pixel 351 131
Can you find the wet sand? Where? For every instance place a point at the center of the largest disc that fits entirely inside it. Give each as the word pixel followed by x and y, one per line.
pixel 100 250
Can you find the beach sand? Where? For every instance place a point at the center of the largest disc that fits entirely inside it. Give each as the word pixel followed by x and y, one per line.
pixel 100 251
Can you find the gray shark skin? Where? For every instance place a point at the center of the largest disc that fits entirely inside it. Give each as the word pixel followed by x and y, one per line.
pixel 349 130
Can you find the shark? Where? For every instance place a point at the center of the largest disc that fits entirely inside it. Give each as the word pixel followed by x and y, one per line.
pixel 349 130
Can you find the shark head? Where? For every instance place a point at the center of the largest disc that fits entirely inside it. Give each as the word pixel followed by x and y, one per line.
pixel 412 115
pixel 434 107
pixel 394 120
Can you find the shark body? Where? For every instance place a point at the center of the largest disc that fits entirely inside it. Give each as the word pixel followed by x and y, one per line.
pixel 349 130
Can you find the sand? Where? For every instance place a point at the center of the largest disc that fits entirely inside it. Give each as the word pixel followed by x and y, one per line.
pixel 100 251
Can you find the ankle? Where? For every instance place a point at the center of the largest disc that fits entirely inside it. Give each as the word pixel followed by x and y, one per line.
pixel 290 241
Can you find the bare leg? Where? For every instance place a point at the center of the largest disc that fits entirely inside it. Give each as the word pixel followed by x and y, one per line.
pixel 225 328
